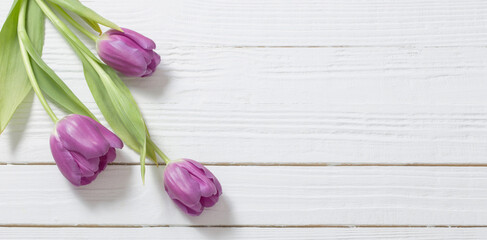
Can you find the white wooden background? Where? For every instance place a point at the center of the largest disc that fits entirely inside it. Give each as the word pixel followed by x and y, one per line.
pixel 323 119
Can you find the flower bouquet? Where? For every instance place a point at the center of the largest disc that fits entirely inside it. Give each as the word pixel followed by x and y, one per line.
pixel 81 146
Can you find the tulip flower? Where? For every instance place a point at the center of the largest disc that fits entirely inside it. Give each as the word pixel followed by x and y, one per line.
pixel 82 148
pixel 128 52
pixel 191 186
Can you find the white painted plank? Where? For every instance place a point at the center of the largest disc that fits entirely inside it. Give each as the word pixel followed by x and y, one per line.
pixel 306 105
pixel 300 23
pixel 301 76
pixel 244 233
pixel 253 196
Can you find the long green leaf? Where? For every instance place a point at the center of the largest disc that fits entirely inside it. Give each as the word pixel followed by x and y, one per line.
pixel 118 107
pixel 52 85
pixel 35 25
pixel 85 12
pixel 14 5
pixel 14 85
pixel 115 102
pixel 143 153
pixel 94 25
pixel 47 79
pixel 111 95
pixel 130 106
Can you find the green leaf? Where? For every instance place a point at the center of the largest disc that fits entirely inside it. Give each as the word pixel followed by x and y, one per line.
pixel 12 92
pixel 116 104
pixel 57 91
pixel 110 93
pixel 14 84
pixel 104 102
pixel 72 39
pixel 142 160
pixel 94 25
pixel 118 107
pixel 52 85
pixel 35 25
pixel 14 4
pixel 130 102
pixel 150 149
pixel 47 79
pixel 83 11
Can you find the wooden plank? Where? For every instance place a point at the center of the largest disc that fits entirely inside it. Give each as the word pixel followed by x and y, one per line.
pixel 301 23
pixel 279 196
pixel 243 233
pixel 295 105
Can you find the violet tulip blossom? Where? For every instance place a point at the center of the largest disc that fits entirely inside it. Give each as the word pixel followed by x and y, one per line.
pixel 128 52
pixel 82 148
pixel 191 186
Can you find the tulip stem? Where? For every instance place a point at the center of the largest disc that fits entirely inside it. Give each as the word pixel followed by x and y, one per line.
pixel 64 30
pixel 75 23
pixel 159 152
pixel 22 34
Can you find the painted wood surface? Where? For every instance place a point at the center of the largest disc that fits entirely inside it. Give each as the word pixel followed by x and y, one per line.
pixel 171 233
pixel 296 105
pixel 302 23
pixel 247 86
pixel 253 195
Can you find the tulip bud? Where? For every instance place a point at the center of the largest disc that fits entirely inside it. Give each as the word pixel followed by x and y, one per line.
pixel 82 148
pixel 128 52
pixel 191 186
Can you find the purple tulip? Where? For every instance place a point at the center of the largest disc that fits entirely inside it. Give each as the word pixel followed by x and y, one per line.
pixel 82 148
pixel 128 52
pixel 191 186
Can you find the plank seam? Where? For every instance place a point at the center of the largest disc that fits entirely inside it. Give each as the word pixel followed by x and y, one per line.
pixel 323 46
pixel 233 226
pixel 283 164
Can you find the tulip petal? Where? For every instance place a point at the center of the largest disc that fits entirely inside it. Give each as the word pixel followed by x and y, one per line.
pixel 209 201
pixel 80 135
pixel 112 139
pixel 123 55
pixel 65 161
pixel 193 211
pixel 128 52
pixel 88 167
pixel 108 158
pixel 187 180
pixel 156 59
pixel 207 188
pixel 85 172
pixel 208 174
pixel 140 39
pixel 180 185
pixel 88 180
pixel 151 68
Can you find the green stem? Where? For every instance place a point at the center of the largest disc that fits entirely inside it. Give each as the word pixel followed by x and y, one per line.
pixel 64 30
pixel 28 67
pixel 104 76
pixel 159 152
pixel 84 52
pixel 75 23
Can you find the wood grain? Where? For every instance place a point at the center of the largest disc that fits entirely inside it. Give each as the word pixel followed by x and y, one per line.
pixel 279 82
pixel 170 233
pixel 279 196
pixel 301 23
pixel 295 105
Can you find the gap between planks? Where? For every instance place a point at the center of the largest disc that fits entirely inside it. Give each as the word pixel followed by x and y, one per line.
pixel 327 46
pixel 287 164
pixel 234 226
